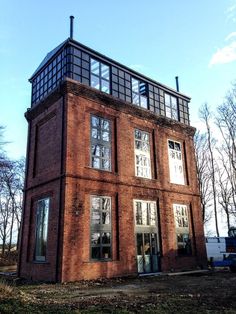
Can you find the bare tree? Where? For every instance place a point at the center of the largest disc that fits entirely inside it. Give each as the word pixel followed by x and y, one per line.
pixel 205 116
pixel 203 174
pixel 226 122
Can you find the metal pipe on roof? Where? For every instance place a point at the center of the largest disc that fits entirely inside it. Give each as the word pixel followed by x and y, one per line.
pixel 177 83
pixel 71 26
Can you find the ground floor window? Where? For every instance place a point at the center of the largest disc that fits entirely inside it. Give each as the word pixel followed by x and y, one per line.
pixel 41 229
pixel 100 227
pixel 182 229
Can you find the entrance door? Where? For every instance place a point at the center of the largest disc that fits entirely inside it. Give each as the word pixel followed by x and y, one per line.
pixel 147 253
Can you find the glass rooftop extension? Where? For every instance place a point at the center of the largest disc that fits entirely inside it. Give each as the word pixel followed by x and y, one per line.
pixel 80 63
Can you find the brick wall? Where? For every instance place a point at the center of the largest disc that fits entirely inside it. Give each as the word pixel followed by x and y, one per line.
pixel 54 156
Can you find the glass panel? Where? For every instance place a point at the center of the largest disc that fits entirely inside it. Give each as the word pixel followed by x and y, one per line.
pixel 106 204
pixel 95 217
pixel 135 98
pixel 105 124
pixel 143 102
pixel 105 152
pixel 105 218
pixel 95 162
pixel 105 136
pixel 105 86
pixel 96 253
pixel 95 121
pixel 146 248
pixel 94 66
pixel 105 71
pixel 106 164
pixel 106 238
pixel 95 82
pixel 135 85
pixel 95 238
pixel 138 213
pixel 138 134
pixel 139 238
pixel 41 229
pixel 106 252
pixel 95 134
pixel 152 214
pixel 96 150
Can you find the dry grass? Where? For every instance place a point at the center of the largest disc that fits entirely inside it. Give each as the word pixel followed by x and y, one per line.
pixel 6 290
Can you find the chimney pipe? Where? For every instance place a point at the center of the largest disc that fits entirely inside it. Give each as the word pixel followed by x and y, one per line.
pixel 71 26
pixel 177 83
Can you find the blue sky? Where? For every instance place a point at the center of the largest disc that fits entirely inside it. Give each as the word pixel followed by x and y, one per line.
pixel 195 40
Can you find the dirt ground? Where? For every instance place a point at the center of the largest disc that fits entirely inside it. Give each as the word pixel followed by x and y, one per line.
pixel 211 292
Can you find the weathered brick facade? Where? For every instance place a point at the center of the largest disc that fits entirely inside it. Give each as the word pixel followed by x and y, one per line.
pixel 59 167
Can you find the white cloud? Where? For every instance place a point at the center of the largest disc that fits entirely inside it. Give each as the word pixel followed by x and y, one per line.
pixel 231 12
pixel 231 35
pixel 224 55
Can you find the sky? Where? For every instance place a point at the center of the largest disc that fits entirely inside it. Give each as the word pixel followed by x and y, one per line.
pixel 195 40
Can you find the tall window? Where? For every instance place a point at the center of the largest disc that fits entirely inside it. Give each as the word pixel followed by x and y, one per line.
pixel 145 213
pixel 171 107
pixel 175 162
pixel 100 143
pixel 142 154
pixel 41 229
pixel 100 76
pixel 182 229
pixel 100 227
pixel 139 93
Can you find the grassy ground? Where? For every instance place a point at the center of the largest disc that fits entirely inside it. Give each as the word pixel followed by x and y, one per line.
pixel 209 293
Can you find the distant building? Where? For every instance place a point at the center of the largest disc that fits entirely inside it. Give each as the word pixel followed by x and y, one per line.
pixel 111 184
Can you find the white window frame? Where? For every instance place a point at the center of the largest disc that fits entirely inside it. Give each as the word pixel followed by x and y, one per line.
pixel 176 166
pixel 143 155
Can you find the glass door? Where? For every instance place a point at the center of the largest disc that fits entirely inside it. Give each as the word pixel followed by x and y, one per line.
pixel 147 253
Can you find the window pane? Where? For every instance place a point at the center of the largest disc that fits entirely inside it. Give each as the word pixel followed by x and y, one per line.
pixel 106 164
pixel 96 253
pixel 41 229
pixel 105 124
pixel 95 238
pixel 95 82
pixel 143 102
pixel 105 152
pixel 106 252
pixel 95 121
pixel 105 71
pixel 94 67
pixel 135 85
pixel 105 86
pixel 96 150
pixel 106 204
pixel 105 218
pixel 106 238
pixel 105 136
pixel 135 98
pixel 95 217
pixel 96 162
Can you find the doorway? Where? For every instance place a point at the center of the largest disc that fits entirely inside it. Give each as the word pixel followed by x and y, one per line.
pixel 146 233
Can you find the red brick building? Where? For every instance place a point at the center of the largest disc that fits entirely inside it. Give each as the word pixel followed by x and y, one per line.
pixel 111 186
